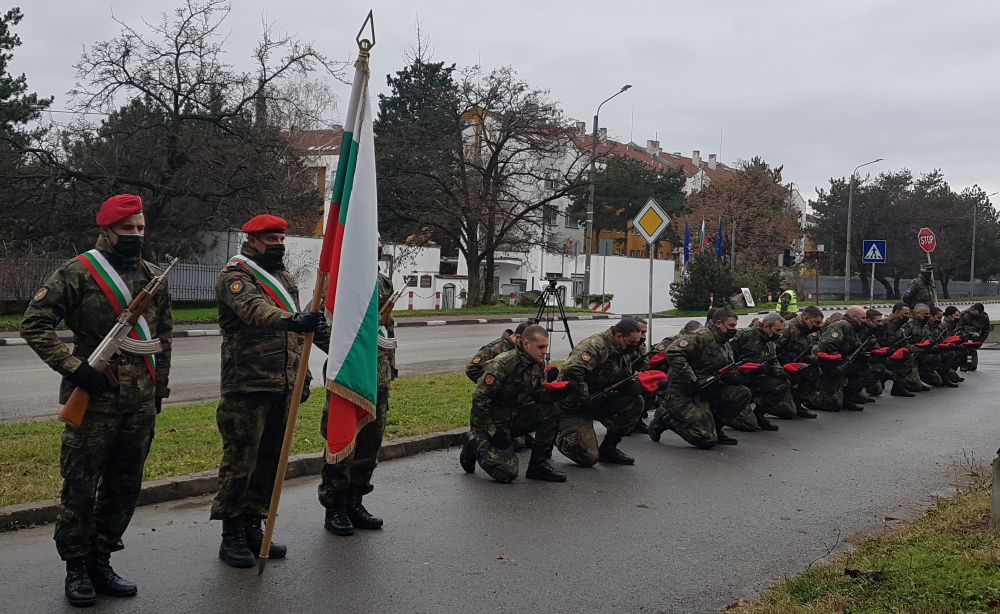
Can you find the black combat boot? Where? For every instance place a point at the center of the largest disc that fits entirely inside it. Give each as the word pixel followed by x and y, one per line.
pixel 80 591
pixel 609 452
pixel 924 388
pixel 766 425
pixel 852 406
pixel 947 383
pixel 360 517
pixel 725 440
pixel 661 422
pixel 234 549
pixel 805 413
pixel 105 580
pixel 469 455
pixel 336 520
pixel 540 469
pixel 640 427
pixel 254 535
pixel 900 391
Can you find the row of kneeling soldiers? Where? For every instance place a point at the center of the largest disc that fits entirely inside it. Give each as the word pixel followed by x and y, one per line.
pixel 703 379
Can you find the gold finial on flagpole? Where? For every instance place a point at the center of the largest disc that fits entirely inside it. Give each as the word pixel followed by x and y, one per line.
pixel 365 45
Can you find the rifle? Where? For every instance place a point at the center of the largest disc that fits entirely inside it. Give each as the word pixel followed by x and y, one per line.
pixel 116 342
pixel 386 310
pixel 850 359
pixel 705 382
pixel 613 388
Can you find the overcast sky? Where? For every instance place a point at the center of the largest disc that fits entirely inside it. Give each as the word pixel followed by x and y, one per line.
pixel 816 87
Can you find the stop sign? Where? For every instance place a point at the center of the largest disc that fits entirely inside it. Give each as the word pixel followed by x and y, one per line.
pixel 927 239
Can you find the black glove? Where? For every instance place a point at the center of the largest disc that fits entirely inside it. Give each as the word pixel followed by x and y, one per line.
pixel 89 379
pixel 306 391
pixel 662 384
pixel 804 368
pixel 551 374
pixel 691 388
pixel 573 388
pixel 159 404
pixel 305 321
pixel 500 440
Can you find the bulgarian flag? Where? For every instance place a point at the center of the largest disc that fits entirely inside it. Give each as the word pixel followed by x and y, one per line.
pixel 350 258
pixel 701 242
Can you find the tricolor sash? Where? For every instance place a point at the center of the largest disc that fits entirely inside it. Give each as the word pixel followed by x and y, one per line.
pixel 269 282
pixel 120 297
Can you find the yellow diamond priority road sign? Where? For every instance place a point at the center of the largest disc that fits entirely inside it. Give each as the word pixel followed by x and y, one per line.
pixel 650 221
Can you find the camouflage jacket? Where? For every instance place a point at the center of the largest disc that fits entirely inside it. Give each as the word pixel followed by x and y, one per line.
pixel 474 370
pixel 753 345
pixel 976 324
pixel 72 295
pixel 920 290
pixel 595 363
pixel 796 338
pixel 892 332
pixel 258 352
pixel 697 355
pixel 642 362
pixel 509 381
pixel 917 332
pixel 843 337
pixel 386 357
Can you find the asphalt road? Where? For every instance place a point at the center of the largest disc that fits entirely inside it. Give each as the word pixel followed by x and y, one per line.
pixel 684 530
pixel 29 389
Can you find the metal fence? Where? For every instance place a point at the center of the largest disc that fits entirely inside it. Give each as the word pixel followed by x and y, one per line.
pixel 193 282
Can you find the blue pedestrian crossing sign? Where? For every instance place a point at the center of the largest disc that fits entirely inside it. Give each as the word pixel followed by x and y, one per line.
pixel 874 251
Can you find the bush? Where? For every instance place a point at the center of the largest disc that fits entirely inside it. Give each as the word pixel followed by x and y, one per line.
pixel 594 298
pixel 705 275
pixel 760 279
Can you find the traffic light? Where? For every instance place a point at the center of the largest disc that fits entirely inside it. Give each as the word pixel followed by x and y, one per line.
pixel 785 259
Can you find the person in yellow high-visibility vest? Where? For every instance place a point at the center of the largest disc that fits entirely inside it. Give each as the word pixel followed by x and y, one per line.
pixel 788 305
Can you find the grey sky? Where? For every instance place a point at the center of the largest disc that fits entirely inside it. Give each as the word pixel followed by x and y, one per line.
pixel 816 87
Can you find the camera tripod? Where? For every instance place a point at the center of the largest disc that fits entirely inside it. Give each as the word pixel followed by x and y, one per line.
pixel 547 302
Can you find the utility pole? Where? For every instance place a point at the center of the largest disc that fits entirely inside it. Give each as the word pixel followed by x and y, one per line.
pixel 850 204
pixel 589 237
pixel 972 265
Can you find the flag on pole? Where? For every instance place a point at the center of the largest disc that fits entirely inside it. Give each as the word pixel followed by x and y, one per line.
pixel 350 258
pixel 701 241
pixel 718 242
pixel 687 242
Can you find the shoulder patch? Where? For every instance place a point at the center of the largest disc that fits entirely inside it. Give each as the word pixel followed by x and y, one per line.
pixel 477 360
pixel 683 343
pixel 585 356
pixel 40 294
pixel 834 334
pixel 236 287
pixel 489 380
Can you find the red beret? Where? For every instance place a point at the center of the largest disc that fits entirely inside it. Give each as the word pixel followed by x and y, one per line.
pixel 117 208
pixel 265 223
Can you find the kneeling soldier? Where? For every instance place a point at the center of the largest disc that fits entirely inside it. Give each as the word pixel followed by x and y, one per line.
pixel 512 400
pixel 769 384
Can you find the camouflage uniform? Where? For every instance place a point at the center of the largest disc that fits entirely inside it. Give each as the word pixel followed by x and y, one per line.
pixel 487 353
pixel 920 290
pixel 891 335
pixel 355 470
pixel 794 345
pixel 693 357
pixel 509 402
pixel 928 359
pixel 770 385
pixel 916 331
pixel 835 386
pixel 972 324
pixel 879 374
pixel 260 360
pixel 596 363
pixel 101 460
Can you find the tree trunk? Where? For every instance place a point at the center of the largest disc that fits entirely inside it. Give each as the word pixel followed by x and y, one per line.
pixel 488 289
pixel 945 278
pixel 475 281
pixel 895 285
pixel 865 282
pixel 890 294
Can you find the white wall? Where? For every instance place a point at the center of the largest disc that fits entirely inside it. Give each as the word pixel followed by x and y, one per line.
pixel 628 280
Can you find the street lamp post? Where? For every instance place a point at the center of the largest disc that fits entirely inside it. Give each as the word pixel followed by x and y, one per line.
pixel 588 238
pixel 972 265
pixel 850 205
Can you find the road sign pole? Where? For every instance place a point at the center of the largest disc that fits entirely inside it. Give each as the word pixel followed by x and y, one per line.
pixel 649 322
pixel 871 282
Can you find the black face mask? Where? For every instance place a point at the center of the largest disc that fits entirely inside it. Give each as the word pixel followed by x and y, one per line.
pixel 274 255
pixel 730 333
pixel 129 246
pixel 926 276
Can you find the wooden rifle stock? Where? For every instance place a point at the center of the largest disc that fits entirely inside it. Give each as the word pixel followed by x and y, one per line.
pixel 74 409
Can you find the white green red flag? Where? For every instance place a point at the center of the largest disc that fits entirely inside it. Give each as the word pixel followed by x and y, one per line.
pixel 271 284
pixel 350 258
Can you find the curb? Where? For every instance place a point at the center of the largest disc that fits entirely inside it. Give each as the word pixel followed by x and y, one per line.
pixel 401 323
pixel 207 482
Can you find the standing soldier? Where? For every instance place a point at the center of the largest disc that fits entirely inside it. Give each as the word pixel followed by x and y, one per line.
pixel 101 461
pixel 788 305
pixel 769 383
pixel 837 342
pixel 693 412
pixel 921 288
pixel 595 363
pixel 512 400
pixel 794 347
pixel 343 484
pixel 260 322
pixel 506 342
pixel 976 324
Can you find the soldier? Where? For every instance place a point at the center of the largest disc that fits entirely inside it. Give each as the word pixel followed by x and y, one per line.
pixel 491 350
pixel 891 337
pixel 837 342
pixel 596 363
pixel 917 328
pixel 102 460
pixel 794 347
pixel 343 484
pixel 693 412
pixel 875 385
pixel 921 288
pixel 976 324
pixel 955 355
pixel 511 400
pixel 788 305
pixel 637 360
pixel 260 321
pixel 769 384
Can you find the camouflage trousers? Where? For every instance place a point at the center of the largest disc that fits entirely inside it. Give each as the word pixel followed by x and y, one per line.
pixel 773 396
pixel 577 439
pixel 835 386
pixel 702 417
pixel 927 366
pixel 540 418
pixel 101 462
pixel 252 425
pixel 876 383
pixel 949 364
pixel 354 471
pixel 905 374
pixel 804 384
